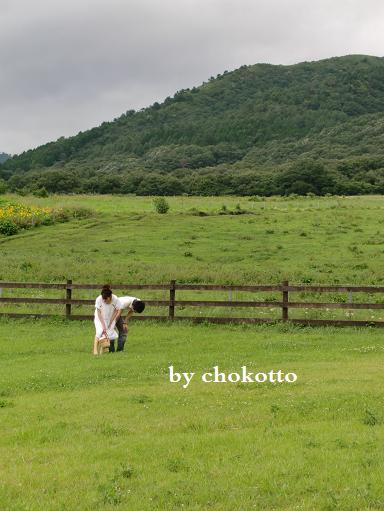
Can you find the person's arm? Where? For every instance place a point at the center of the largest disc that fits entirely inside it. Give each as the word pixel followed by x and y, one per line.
pixel 129 315
pixel 115 317
pixel 101 319
pixel 125 321
pixel 116 313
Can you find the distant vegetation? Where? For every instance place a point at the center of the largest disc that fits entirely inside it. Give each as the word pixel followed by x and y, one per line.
pixel 4 157
pixel 260 130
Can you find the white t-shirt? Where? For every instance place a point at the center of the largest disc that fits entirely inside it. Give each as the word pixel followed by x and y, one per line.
pixel 126 301
pixel 107 309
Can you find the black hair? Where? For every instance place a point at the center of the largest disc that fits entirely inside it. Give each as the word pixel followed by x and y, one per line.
pixel 106 292
pixel 138 306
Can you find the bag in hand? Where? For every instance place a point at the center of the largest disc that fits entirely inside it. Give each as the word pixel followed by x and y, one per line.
pixel 104 342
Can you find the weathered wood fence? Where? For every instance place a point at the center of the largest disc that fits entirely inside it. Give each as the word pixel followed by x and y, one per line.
pixel 171 303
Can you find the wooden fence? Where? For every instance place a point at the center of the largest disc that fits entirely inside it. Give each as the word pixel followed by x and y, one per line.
pixel 171 303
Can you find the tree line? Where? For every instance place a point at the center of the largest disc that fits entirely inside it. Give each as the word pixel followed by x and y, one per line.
pixel 301 177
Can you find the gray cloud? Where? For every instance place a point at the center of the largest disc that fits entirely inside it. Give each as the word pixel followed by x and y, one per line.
pixel 68 66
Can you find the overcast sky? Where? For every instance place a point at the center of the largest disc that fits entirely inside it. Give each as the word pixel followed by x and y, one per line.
pixel 68 65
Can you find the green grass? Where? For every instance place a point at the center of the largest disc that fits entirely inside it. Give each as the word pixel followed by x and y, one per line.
pixel 332 240
pixel 111 433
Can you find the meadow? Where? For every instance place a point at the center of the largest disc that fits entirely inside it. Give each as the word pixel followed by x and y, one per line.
pixel 112 433
pixel 329 240
pixel 308 239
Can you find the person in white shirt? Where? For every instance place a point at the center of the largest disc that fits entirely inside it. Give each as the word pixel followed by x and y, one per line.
pixel 129 304
pixel 107 310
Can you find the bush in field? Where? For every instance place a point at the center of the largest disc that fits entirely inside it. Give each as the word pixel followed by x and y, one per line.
pixel 80 212
pixel 8 227
pixel 66 214
pixel 161 205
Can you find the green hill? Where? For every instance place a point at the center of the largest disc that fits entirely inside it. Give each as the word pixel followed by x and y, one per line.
pixel 257 130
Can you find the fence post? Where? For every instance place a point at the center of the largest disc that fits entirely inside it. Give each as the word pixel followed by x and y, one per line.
pixel 285 302
pixel 68 306
pixel 172 293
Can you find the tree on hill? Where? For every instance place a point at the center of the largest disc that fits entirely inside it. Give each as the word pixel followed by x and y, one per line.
pixel 305 176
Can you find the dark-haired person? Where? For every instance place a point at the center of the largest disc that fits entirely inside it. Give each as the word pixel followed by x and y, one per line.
pixel 130 304
pixel 107 310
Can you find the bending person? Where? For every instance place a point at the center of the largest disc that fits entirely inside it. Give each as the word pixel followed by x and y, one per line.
pixel 130 304
pixel 107 310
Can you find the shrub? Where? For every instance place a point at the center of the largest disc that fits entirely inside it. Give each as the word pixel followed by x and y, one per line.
pixel 161 205
pixel 61 215
pixel 197 212
pixel 238 210
pixel 78 212
pixel 66 214
pixel 82 212
pixel 8 228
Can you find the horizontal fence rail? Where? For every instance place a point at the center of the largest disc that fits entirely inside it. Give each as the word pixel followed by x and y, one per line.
pixel 172 303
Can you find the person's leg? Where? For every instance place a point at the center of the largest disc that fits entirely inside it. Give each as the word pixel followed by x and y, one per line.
pixel 111 346
pixel 122 334
pixel 95 346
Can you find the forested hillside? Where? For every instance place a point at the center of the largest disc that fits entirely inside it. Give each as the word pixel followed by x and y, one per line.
pixel 264 129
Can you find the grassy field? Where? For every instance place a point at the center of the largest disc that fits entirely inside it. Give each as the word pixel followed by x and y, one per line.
pixel 331 240
pixel 112 433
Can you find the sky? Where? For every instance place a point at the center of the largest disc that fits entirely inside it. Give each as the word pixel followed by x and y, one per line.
pixel 69 65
